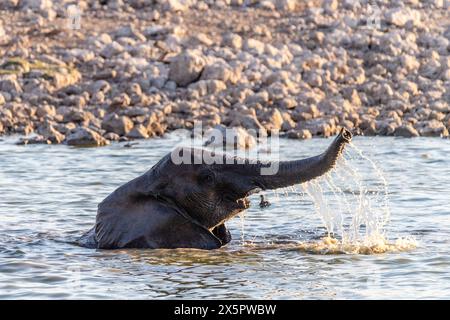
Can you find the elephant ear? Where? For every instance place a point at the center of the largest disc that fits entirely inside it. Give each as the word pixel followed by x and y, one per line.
pixel 149 223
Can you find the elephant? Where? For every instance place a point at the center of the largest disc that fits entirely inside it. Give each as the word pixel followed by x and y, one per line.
pixel 186 205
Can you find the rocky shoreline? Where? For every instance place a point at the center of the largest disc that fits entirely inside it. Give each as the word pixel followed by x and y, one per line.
pixel 137 69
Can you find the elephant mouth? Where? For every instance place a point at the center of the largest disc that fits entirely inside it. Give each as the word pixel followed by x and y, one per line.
pixel 244 202
pixel 240 203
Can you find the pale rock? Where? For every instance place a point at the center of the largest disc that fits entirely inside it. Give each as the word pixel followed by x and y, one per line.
pixel 36 139
pixel 115 4
pixel 288 122
pixel 50 133
pixel 430 68
pixel 205 87
pixel 446 75
pixel 220 70
pixel 232 40
pixel 65 78
pixel 9 4
pixel 410 63
pixel 121 101
pixel 318 127
pixel 314 79
pixel 401 16
pixel 287 103
pixel 410 87
pixel 299 134
pixel 386 128
pixel 99 86
pixel 215 86
pixel 73 114
pixel 156 128
pixel 437 3
pixel 170 85
pixel 85 137
pixel 9 84
pixel 117 124
pixel 285 5
pixel 65 128
pixel 247 121
pixel 433 128
pixel 406 131
pixel 135 112
pixel 330 6
pixel 261 97
pixel 38 4
pixel 156 31
pixel 45 110
pixel 139 131
pixel 274 121
pixel 4 37
pixel 186 67
pixel 112 49
pixel 83 55
pixel 235 137
pixel 111 136
pixel 129 31
pixel 253 45
pixel 155 15
pixel 436 115
pixel 267 5
pixel 176 5
pixel 203 39
pixel 440 106
pixel 49 14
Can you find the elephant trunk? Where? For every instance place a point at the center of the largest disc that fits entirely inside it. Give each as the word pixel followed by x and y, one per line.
pixel 300 171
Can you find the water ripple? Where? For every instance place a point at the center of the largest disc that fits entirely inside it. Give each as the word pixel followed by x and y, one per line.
pixel 50 195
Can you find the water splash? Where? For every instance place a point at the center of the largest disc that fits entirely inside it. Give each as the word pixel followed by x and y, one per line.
pixel 329 245
pixel 242 222
pixel 354 216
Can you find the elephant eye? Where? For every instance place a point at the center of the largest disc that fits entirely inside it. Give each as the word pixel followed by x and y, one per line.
pixel 206 177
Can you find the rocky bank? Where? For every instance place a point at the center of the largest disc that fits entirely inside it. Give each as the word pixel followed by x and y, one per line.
pixel 89 72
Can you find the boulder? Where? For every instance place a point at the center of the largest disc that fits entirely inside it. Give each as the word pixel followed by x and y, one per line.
pixel 219 70
pixel 37 4
pixel 85 137
pixel 246 121
pixel 8 4
pixel 9 84
pixel 175 5
pixel 223 137
pixel 232 40
pixel 50 133
pixel 139 131
pixel 401 16
pixel 274 120
pixel 117 124
pixel 45 111
pixel 433 128
pixel 406 131
pixel 186 68
pixel 299 134
pixel 205 87
pixel 285 5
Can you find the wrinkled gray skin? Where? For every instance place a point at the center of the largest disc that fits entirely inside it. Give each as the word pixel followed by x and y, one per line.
pixel 186 205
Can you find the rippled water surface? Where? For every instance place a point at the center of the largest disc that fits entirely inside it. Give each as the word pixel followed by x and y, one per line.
pixel 49 194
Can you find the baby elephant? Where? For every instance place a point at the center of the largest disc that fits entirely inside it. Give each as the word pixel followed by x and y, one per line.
pixel 186 204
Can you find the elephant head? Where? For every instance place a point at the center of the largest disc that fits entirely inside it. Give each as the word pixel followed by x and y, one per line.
pixel 185 204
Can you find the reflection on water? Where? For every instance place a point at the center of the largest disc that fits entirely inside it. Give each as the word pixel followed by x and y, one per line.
pixel 49 196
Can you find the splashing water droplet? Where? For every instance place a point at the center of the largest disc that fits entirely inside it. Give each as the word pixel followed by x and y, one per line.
pixel 242 222
pixel 352 202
